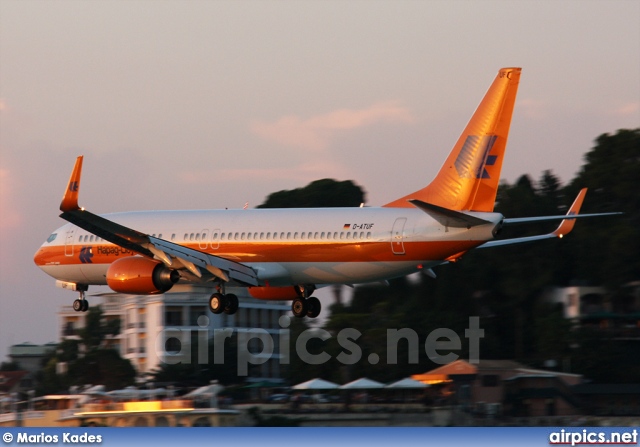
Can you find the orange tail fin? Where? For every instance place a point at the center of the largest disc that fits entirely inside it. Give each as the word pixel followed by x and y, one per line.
pixel 469 178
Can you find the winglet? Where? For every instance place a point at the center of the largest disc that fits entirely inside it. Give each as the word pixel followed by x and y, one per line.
pixel 566 225
pixel 70 198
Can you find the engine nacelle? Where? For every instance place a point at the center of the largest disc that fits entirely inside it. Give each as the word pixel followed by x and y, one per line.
pixel 274 293
pixel 140 276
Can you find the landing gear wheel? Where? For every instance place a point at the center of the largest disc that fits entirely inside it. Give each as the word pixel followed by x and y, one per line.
pixel 232 304
pixel 78 305
pixel 217 303
pixel 313 307
pixel 85 305
pixel 299 307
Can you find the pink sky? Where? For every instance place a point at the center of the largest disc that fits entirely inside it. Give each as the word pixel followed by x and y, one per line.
pixel 204 104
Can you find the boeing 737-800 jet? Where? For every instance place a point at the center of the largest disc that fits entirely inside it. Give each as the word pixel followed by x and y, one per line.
pixel 284 254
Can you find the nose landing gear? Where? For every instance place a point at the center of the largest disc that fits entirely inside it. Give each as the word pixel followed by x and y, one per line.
pixel 81 304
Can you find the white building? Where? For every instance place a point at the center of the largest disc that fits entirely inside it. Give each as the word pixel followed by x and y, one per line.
pixel 161 328
pixel 30 356
pixel 580 301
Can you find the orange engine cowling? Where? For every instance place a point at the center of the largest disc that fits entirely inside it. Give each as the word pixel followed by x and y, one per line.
pixel 141 276
pixel 274 293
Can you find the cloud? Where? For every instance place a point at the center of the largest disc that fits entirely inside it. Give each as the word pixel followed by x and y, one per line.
pixel 631 108
pixel 303 173
pixel 315 133
pixel 531 108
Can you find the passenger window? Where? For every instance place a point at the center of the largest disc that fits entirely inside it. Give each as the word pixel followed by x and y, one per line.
pixel 362 235
pixel 173 236
pixel 302 235
pixel 295 235
pixel 248 236
pixel 268 235
pixel 342 235
pixel 288 235
pixel 368 234
pixel 315 236
pixel 282 235
pixel 186 236
pixel 197 236
pixel 215 236
pixel 242 236
pixel 236 236
pixel 160 236
pixel 91 238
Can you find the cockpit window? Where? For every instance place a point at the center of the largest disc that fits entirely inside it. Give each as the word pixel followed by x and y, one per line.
pixel 52 237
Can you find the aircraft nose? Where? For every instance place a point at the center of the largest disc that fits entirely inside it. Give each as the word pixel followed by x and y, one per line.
pixel 38 257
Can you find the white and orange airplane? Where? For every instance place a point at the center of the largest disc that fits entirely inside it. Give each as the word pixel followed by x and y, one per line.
pixel 286 253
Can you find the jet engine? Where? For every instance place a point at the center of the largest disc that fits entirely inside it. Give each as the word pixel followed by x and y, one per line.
pixel 141 276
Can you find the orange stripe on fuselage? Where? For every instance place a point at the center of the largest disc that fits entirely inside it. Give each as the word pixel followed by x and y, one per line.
pixel 272 252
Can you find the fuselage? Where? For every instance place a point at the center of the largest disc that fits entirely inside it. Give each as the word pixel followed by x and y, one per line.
pixel 284 246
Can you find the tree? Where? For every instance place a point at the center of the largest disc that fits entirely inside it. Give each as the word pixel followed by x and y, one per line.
pixel 96 328
pixel 504 286
pixel 317 194
pixel 607 250
pixel 102 366
pixel 195 372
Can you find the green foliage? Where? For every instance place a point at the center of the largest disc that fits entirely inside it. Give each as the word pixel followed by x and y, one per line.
pixel 504 286
pixel 102 366
pixel 87 361
pixel 606 251
pixel 96 329
pixel 200 368
pixel 317 194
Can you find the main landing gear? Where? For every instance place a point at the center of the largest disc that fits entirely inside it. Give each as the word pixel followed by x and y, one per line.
pixel 81 304
pixel 219 303
pixel 305 305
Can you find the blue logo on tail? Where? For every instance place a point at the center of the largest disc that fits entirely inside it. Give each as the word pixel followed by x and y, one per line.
pixel 474 156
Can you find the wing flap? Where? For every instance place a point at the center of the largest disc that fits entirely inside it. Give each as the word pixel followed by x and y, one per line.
pixel 235 270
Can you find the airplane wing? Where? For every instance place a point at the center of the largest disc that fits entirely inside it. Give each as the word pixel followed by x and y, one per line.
pixel 565 227
pixel 173 255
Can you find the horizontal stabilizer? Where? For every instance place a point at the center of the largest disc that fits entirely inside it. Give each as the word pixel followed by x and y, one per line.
pixel 447 217
pixel 565 227
pixel 520 220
